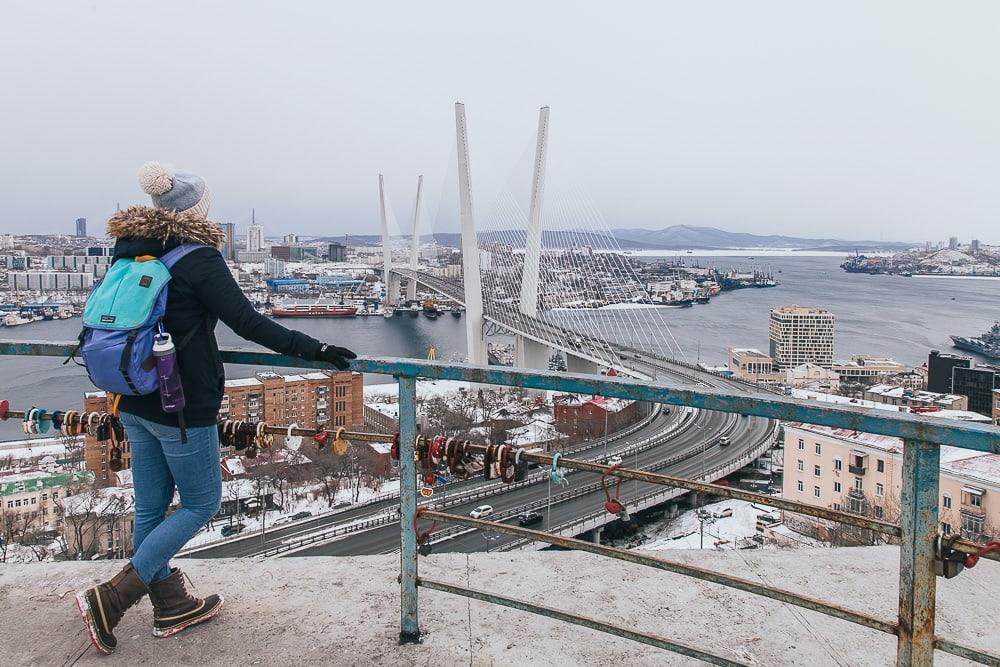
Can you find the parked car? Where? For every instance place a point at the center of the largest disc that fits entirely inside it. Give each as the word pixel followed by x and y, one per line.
pixel 232 529
pixel 301 515
pixel 482 512
pixel 615 460
pixel 529 519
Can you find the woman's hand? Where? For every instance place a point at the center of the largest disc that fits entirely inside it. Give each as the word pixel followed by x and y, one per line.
pixel 338 356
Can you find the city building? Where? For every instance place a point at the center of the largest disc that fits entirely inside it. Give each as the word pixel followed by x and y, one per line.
pixel 753 366
pixel 81 228
pixel 868 370
pixel 28 498
pixel 228 249
pixel 978 384
pixel 6 241
pixel 97 454
pixel 49 281
pixel 952 243
pixel 893 395
pixel 290 239
pixel 939 369
pixel 590 417
pixel 801 335
pixel 996 407
pixel 274 267
pixel 99 521
pixel 100 251
pixel 252 257
pixel 812 376
pixel 255 238
pixel 862 473
pixel 337 252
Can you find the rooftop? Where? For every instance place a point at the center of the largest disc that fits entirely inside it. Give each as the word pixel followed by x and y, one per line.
pixel 38 480
pixel 892 391
pixel 330 611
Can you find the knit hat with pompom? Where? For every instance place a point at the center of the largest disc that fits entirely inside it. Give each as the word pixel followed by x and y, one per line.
pixel 179 191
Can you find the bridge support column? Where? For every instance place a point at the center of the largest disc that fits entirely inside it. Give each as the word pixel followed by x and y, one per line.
pixel 595 535
pixel 576 364
pixel 411 287
pixel 533 240
pixel 531 354
pixel 390 279
pixel 471 276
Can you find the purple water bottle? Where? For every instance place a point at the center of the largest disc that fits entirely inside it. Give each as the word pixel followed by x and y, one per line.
pixel 171 391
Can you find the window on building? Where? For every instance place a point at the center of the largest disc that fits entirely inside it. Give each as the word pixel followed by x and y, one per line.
pixel 837 487
pixel 878 512
pixel 975 500
pixel 855 505
pixel 819 449
pixel 816 471
pixel 972 527
pixel 17 503
pixel 859 484
pixel 816 491
pixel 800 486
pixel 879 490
pixel 34 501
pixel 802 443
pixel 838 464
pixel 10 503
pixel 946 501
pixel 45 497
pixel 339 420
pixel 945 528
pixel 880 465
pixel 836 507
pixel 802 465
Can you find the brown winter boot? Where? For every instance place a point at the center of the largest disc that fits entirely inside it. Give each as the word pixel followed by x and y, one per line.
pixel 174 610
pixel 103 606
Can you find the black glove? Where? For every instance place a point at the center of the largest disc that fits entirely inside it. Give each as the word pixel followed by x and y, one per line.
pixel 338 356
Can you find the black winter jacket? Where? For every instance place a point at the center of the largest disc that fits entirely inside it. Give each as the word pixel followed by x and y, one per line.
pixel 201 292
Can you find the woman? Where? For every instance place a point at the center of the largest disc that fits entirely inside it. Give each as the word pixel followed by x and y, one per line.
pixel 202 292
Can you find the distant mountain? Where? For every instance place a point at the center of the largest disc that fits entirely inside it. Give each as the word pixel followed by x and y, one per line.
pixel 670 238
pixel 688 236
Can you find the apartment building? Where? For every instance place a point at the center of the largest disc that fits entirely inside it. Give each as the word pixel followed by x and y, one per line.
pixel 862 368
pixel 28 498
pixel 311 400
pixel 801 335
pixel 862 473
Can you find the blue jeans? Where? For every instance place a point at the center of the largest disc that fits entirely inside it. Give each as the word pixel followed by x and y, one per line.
pixel 161 463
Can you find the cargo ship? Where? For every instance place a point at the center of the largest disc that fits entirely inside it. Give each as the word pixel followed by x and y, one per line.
pixel 314 310
pixel 987 344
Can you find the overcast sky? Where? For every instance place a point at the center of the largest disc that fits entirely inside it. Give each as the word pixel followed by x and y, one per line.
pixel 851 120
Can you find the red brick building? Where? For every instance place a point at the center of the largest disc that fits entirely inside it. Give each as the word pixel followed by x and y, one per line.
pixel 311 400
pixel 590 417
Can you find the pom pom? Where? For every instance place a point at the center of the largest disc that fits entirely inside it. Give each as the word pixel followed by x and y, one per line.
pixel 155 178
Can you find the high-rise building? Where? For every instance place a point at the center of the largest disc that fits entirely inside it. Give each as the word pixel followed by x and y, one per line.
pixel 255 238
pixel 81 228
pixel 978 384
pixel 939 370
pixel 289 239
pixel 338 252
pixel 6 241
pixel 953 243
pixel 974 246
pixel 801 335
pixel 228 249
pixel 274 267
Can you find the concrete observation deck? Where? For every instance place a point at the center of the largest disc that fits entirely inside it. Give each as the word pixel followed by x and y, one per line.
pixel 345 611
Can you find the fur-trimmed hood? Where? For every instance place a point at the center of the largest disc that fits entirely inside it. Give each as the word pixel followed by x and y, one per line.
pixel 147 222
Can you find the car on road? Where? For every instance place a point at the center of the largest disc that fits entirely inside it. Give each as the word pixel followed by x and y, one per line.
pixel 482 512
pixel 228 531
pixel 301 515
pixel 723 441
pixel 529 519
pixel 342 503
pixel 615 460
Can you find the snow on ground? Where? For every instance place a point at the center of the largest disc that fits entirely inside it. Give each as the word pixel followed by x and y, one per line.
pixel 426 389
pixel 317 505
pixel 683 532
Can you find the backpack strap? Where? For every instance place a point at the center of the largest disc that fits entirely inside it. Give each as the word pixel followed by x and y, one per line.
pixel 180 252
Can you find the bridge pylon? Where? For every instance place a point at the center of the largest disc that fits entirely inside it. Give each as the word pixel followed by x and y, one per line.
pixel 390 279
pixel 411 286
pixel 471 277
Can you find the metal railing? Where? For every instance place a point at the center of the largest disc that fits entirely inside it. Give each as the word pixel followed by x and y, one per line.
pixel 916 532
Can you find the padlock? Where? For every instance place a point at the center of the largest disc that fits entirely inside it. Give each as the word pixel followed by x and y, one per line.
pixel 948 563
pixel 613 506
pixel 429 478
pixel 424 549
pixel 624 515
pixel 426 491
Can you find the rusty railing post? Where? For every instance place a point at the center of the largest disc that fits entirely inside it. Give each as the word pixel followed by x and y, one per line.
pixel 917 580
pixel 409 626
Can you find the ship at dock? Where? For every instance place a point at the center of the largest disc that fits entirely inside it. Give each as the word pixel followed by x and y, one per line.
pixel 314 310
pixel 988 344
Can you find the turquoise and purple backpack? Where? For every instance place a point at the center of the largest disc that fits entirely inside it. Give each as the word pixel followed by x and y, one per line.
pixel 123 313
